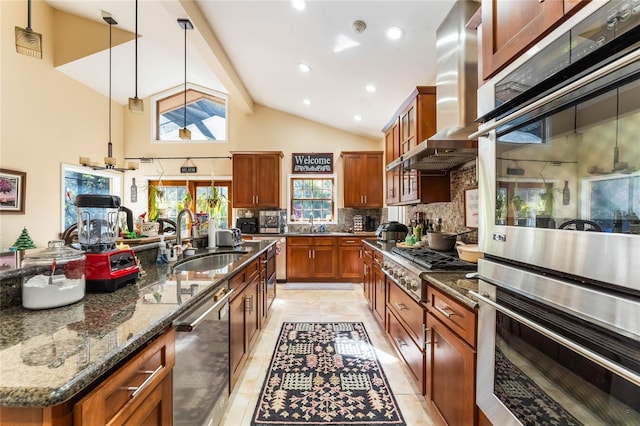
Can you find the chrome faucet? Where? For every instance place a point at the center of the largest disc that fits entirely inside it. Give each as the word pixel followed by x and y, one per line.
pixel 311 226
pixel 179 224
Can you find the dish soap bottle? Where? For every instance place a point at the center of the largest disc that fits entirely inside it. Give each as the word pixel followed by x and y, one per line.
pixel 418 232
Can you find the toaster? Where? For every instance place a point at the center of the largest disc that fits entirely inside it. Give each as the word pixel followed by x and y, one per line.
pixel 228 237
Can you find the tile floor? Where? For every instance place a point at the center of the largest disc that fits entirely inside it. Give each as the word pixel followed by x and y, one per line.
pixel 323 306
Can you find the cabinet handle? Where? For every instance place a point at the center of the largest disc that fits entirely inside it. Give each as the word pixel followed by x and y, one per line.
pixel 365 199
pixel 137 389
pixel 314 253
pixel 401 306
pixel 446 311
pixel 309 254
pixel 360 254
pixel 248 304
pixel 400 342
pixel 425 330
pixel 257 199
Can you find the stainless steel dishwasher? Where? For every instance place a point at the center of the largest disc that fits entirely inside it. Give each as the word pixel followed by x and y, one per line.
pixel 201 372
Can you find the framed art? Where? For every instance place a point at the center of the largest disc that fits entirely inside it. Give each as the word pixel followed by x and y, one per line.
pixel 12 191
pixel 7 260
pixel 471 208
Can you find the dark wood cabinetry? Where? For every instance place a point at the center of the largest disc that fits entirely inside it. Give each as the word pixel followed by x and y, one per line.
pixel 451 358
pixel 256 179
pixel 379 290
pixel 367 274
pixel 350 259
pixel 311 258
pixel 509 28
pixel 363 179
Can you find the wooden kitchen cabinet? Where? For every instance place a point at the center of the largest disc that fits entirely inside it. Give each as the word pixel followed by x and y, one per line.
pixel 392 186
pixel 392 142
pixel 509 28
pixel 140 392
pixel 311 258
pixel 451 358
pixel 406 325
pixel 350 259
pixel 256 179
pixel 244 317
pixel 367 275
pixel 379 290
pixel 363 179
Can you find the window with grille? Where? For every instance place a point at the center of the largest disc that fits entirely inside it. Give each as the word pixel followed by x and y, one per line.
pixel 312 196
pixel 206 115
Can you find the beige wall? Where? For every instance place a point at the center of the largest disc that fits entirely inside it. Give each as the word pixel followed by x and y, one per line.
pixel 48 119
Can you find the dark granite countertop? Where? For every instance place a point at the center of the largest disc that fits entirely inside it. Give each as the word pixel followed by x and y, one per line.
pixel 453 283
pixel 48 356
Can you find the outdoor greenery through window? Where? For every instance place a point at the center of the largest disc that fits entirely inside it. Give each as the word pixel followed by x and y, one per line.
pixel 82 180
pixel 167 198
pixel 312 196
pixel 206 115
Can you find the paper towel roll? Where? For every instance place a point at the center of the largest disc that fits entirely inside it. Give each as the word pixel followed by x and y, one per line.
pixel 212 234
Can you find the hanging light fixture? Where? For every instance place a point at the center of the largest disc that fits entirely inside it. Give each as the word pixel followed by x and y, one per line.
pixel 185 133
pixel 136 104
pixel 109 161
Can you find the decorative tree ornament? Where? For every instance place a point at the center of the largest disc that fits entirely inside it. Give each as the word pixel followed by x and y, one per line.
pixel 24 241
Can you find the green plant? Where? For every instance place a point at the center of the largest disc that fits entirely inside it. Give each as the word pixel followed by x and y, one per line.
pixel 213 203
pixel 156 195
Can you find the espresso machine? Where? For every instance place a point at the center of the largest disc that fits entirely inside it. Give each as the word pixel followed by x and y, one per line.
pixel 107 268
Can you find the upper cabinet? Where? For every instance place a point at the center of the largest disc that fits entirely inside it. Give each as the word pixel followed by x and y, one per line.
pixel 256 179
pixel 510 27
pixel 362 179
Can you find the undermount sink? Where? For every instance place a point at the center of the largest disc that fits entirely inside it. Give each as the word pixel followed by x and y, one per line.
pixel 208 262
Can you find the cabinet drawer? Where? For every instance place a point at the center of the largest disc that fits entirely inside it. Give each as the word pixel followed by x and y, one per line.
pixel 408 310
pixel 237 281
pixel 410 352
pixel 300 241
pixel 324 241
pixel 350 241
pixel 452 314
pixel 368 252
pixel 126 391
pixel 252 270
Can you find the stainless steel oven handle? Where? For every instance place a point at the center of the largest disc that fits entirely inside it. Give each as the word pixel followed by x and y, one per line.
pixel 590 355
pixel 191 326
pixel 484 129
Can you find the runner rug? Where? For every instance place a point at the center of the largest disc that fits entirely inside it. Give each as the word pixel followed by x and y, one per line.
pixel 325 374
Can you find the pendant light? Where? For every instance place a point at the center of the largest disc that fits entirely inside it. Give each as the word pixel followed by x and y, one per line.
pixel 136 104
pixel 109 161
pixel 185 133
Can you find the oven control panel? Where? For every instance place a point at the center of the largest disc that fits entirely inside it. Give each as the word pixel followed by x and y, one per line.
pixel 409 280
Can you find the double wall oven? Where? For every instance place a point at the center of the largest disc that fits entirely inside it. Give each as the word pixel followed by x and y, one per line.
pixel 559 165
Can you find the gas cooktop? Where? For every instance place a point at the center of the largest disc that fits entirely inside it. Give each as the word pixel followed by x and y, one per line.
pixel 434 260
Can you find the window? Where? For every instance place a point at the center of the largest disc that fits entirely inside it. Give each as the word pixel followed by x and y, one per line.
pixel 312 196
pixel 83 180
pixel 206 116
pixel 171 197
pixel 612 197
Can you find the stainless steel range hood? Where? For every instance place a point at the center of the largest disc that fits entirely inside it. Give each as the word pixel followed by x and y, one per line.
pixel 456 96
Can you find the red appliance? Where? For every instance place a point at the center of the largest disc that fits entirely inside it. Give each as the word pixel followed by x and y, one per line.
pixel 107 268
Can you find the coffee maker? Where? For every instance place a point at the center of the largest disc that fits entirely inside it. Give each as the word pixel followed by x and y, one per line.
pixel 107 268
pixel 273 221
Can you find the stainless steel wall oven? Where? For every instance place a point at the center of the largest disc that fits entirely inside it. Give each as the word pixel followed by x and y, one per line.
pixel 559 167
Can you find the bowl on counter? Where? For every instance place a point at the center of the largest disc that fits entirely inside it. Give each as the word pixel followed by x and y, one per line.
pixel 469 252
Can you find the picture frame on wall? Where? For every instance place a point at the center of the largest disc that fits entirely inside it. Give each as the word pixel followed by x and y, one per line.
pixel 12 191
pixel 471 208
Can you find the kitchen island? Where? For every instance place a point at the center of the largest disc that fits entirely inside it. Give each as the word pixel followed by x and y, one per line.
pixel 50 357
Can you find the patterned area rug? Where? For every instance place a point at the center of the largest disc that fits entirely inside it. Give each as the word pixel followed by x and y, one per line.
pixel 325 374
pixel 524 398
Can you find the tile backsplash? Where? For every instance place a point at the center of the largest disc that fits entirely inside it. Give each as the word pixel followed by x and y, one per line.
pixel 452 213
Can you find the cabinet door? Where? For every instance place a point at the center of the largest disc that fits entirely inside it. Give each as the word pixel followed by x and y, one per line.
pixel 379 302
pixel 409 189
pixel 268 180
pixel 408 127
pixel 452 375
pixel 392 143
pixel 252 312
pixel 393 187
pixel 371 180
pixel 353 175
pixel 350 263
pixel 510 27
pixel 325 262
pixel 367 281
pixel 299 262
pixel 244 166
pixel 237 348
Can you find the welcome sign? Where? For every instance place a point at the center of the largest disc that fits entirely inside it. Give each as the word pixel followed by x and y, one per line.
pixel 312 163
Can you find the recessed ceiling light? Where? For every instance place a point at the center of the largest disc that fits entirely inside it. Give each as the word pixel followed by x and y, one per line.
pixel 395 33
pixel 370 88
pixel 299 4
pixel 306 102
pixel 357 117
pixel 304 67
